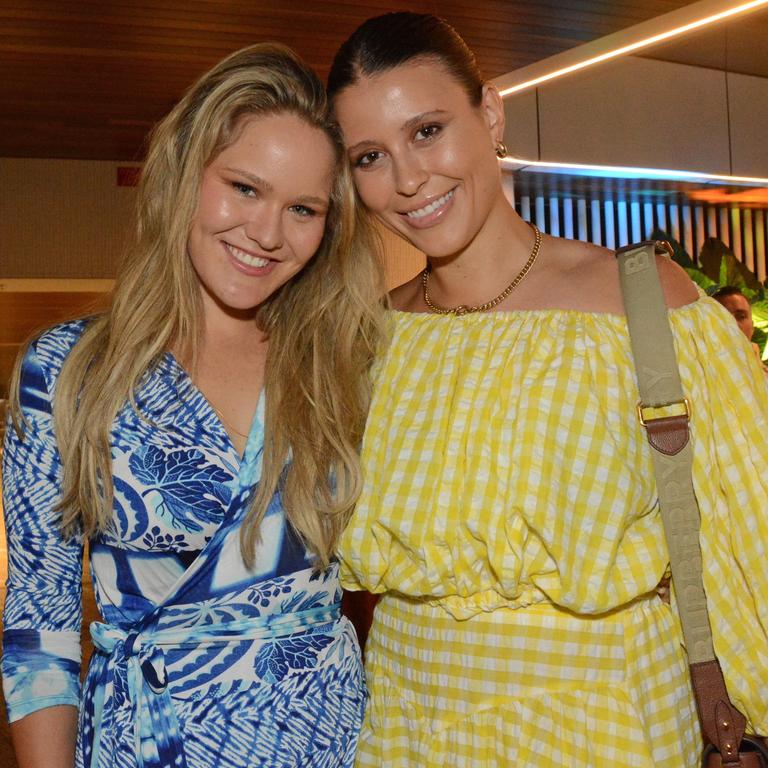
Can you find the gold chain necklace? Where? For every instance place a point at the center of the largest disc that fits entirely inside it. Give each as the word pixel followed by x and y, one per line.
pixel 226 424
pixel 463 309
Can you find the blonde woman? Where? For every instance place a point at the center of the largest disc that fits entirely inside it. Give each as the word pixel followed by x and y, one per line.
pixel 202 435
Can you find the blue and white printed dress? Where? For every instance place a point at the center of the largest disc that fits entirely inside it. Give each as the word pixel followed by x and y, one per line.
pixel 199 662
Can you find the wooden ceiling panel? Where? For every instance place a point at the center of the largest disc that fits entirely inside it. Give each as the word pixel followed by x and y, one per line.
pixel 88 78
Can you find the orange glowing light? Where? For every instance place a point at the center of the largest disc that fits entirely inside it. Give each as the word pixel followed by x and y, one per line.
pixel 757 196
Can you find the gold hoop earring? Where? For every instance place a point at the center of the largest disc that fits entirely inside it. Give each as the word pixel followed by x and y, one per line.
pixel 501 149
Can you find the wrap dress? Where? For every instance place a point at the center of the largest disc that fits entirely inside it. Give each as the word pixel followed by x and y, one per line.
pixel 198 661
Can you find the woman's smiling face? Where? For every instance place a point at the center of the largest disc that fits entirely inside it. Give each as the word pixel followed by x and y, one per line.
pixel 262 209
pixel 422 155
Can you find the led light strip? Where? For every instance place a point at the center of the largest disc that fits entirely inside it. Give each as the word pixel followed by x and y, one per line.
pixel 623 171
pixel 741 8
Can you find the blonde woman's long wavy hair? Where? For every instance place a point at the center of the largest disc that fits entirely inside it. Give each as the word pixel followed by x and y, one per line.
pixel 324 325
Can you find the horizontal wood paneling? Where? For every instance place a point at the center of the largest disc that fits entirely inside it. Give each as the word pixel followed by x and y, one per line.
pixel 87 79
pixel 21 314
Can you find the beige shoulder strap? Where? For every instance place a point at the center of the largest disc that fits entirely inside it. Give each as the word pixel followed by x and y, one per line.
pixel 665 412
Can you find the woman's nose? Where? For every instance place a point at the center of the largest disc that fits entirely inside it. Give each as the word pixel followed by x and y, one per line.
pixel 410 175
pixel 265 228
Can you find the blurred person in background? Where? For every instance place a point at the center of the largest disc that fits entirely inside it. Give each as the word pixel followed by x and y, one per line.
pixel 738 305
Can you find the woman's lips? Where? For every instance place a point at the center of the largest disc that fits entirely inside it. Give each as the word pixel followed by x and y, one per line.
pixel 430 214
pixel 249 263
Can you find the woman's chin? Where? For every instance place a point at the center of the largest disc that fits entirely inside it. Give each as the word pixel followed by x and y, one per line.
pixel 437 244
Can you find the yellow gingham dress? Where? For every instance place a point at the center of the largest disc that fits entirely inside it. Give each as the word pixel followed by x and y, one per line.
pixel 509 518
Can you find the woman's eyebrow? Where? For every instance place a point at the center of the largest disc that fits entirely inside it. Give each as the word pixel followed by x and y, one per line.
pixel 408 125
pixel 263 184
pixel 423 117
pixel 257 181
pixel 320 202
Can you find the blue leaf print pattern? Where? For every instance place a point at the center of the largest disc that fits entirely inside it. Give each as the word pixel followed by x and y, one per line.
pixel 132 520
pixel 189 486
pixel 264 594
pixel 164 570
pixel 277 658
pixel 155 539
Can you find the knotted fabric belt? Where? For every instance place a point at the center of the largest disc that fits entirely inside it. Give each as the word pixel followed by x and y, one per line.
pixel 138 658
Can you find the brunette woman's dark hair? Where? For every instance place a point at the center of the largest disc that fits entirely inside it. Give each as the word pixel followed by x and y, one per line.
pixel 384 42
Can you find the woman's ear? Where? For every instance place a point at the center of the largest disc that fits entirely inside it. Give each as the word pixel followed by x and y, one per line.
pixel 492 106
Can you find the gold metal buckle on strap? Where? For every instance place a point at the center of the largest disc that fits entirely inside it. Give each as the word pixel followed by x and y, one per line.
pixel 685 403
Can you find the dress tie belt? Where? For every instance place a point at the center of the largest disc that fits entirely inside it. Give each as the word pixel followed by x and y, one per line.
pixel 137 658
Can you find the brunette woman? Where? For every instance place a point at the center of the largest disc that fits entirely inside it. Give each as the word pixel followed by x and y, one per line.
pixel 509 518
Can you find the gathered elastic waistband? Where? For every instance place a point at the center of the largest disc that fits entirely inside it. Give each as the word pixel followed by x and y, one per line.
pixel 512 612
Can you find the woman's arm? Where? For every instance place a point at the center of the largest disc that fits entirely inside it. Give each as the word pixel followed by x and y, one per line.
pixel 46 738
pixel 41 638
pixel 729 421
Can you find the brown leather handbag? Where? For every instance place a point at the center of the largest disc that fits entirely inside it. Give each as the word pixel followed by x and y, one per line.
pixel 665 413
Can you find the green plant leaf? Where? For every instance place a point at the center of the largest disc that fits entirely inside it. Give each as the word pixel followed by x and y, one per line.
pixel 760 337
pixel 760 320
pixel 760 313
pixel 720 264
pixel 698 277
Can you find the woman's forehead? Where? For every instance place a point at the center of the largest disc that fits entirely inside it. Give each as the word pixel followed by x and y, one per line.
pixel 398 94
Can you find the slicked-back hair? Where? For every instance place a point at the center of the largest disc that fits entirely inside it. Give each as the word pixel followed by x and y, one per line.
pixel 385 42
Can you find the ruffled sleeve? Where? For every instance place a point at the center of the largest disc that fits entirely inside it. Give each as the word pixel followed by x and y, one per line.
pixel 730 442
pixel 41 638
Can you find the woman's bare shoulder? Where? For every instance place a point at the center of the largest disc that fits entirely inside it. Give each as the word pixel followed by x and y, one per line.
pixel 571 275
pixel 679 289
pixel 586 278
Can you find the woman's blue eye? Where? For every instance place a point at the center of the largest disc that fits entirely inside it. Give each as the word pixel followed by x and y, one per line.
pixel 244 189
pixel 302 210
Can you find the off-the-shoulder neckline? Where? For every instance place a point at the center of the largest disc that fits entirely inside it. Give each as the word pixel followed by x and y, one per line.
pixel 553 311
